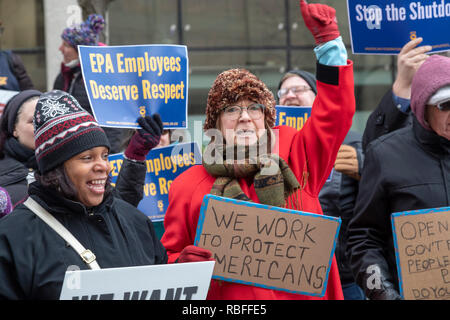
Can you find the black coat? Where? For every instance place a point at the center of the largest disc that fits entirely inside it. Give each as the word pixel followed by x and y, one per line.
pixel 34 258
pixel 13 177
pixel 384 119
pixel 337 198
pixel 408 169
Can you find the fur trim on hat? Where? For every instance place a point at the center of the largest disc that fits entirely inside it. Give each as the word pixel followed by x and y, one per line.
pixel 233 85
pixel 432 75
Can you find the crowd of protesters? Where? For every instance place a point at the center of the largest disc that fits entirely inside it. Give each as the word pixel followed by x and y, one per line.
pixel 51 165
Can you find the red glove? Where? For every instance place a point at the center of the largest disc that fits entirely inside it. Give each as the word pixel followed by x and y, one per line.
pixel 145 139
pixel 320 20
pixel 194 254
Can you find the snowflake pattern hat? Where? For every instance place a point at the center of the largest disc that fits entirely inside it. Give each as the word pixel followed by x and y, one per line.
pixel 63 129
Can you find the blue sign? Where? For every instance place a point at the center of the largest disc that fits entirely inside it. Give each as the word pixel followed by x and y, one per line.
pixel 125 82
pixel 294 117
pixel 163 166
pixel 385 26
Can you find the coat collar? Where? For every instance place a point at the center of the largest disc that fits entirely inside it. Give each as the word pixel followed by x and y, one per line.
pixel 430 140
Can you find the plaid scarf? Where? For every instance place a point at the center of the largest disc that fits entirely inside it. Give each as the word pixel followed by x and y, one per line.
pixel 274 181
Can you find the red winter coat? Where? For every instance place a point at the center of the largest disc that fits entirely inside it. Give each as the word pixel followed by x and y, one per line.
pixel 310 152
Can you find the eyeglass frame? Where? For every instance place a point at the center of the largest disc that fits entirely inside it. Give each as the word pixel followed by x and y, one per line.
pixel 445 108
pixel 262 108
pixel 305 89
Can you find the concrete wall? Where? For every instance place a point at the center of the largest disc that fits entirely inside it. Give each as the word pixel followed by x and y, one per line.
pixel 58 14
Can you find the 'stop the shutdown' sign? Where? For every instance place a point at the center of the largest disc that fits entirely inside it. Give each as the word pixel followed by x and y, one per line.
pixel 385 26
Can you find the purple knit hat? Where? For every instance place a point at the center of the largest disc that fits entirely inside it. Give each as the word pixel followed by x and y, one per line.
pixel 5 202
pixel 85 33
pixel 432 75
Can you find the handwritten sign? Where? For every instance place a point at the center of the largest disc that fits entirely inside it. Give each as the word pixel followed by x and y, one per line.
pixel 422 248
pixel 266 246
pixel 294 117
pixel 163 166
pixel 125 82
pixel 385 26
pixel 179 281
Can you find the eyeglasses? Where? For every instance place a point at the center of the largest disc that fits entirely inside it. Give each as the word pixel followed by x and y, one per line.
pixel 294 90
pixel 255 111
pixel 444 106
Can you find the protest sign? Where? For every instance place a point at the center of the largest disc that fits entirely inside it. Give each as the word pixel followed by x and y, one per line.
pixel 385 26
pixel 267 246
pixel 5 95
pixel 179 281
pixel 294 117
pixel 125 82
pixel 163 166
pixel 422 248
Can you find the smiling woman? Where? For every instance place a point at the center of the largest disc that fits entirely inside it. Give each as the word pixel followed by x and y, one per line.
pixel 72 185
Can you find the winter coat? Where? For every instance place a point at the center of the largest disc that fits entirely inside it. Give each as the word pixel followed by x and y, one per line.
pixel 310 152
pixel 34 258
pixel 13 177
pixel 11 67
pixel 408 169
pixel 384 119
pixel 337 198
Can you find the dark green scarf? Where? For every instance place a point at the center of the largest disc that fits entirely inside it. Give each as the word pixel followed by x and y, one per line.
pixel 274 181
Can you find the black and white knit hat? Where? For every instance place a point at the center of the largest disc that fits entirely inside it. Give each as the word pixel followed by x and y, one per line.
pixel 63 129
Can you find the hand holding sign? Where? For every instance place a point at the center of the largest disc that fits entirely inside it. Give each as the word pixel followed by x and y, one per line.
pixel 409 60
pixel 145 139
pixel 320 20
pixel 194 254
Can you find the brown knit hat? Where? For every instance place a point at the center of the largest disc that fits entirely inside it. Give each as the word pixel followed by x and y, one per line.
pixel 232 85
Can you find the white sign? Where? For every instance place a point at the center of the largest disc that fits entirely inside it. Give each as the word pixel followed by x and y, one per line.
pixel 5 95
pixel 178 281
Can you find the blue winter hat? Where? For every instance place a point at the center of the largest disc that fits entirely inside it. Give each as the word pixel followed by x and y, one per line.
pixel 86 33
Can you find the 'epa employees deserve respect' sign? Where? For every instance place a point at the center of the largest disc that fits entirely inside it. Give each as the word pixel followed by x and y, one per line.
pixel 125 82
pixel 267 246
pixel 422 249
pixel 385 26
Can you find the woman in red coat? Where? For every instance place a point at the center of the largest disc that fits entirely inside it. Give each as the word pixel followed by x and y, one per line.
pixel 242 110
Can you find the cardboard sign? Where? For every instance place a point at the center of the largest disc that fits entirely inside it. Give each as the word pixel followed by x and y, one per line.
pixel 125 82
pixel 179 281
pixel 422 248
pixel 163 166
pixel 385 26
pixel 294 117
pixel 5 95
pixel 267 246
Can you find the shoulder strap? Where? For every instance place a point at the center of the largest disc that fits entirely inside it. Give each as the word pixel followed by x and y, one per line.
pixel 87 255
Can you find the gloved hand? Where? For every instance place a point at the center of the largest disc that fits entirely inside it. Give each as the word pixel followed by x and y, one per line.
pixel 194 254
pixel 320 20
pixel 347 162
pixel 146 138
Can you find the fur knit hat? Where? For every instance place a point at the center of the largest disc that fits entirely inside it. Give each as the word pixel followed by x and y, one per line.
pixel 85 33
pixel 63 129
pixel 432 75
pixel 232 85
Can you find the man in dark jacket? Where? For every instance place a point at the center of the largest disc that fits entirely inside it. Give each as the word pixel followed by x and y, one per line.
pixel 338 195
pixel 404 170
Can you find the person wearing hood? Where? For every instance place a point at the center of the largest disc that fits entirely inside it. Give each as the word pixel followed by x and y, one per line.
pixel 17 160
pixel 407 169
pixel 338 195
pixel 70 79
pixel 240 115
